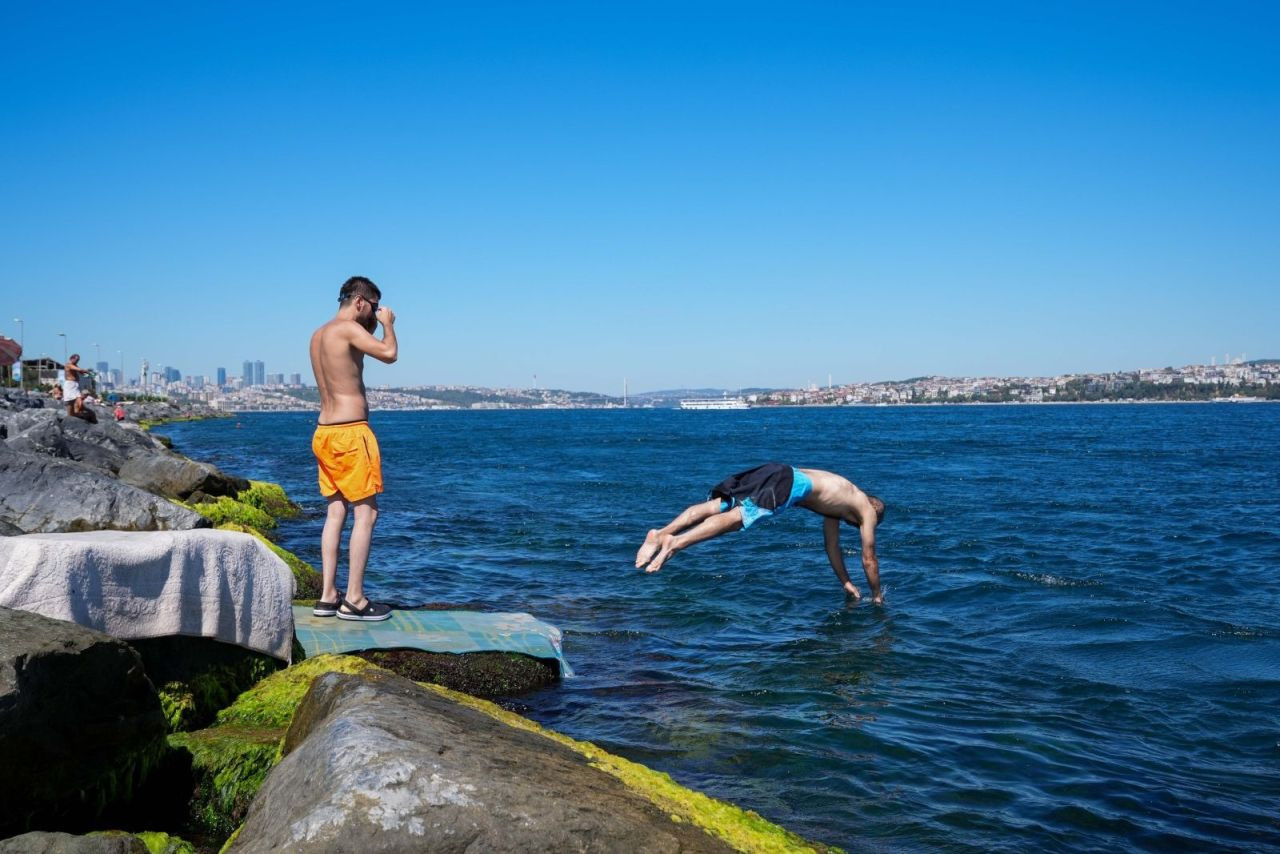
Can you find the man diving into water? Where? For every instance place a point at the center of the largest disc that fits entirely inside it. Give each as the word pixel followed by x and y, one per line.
pixel 739 500
pixel 347 458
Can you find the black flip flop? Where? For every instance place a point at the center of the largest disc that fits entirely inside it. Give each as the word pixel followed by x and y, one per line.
pixel 372 612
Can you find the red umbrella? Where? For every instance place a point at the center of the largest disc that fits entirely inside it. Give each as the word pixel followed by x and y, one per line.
pixel 10 351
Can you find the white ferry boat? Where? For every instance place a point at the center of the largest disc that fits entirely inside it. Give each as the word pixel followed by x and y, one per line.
pixel 714 403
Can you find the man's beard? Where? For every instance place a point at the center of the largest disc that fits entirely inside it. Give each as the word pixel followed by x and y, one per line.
pixel 370 323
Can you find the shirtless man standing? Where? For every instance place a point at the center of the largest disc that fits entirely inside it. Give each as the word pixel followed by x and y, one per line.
pixel 350 467
pixel 740 500
pixel 71 384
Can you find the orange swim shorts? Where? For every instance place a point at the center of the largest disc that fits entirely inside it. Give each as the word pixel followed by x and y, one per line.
pixel 348 460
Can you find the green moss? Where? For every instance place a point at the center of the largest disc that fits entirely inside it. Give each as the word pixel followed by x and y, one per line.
pixel 163 843
pixel 230 760
pixel 227 509
pixel 308 580
pixel 179 705
pixel 196 677
pixel 270 498
pixel 742 829
pixel 230 840
pixel 155 841
pixel 193 703
pixel 228 764
pixel 272 701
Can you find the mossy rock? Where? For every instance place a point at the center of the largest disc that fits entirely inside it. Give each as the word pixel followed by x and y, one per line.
pixel 197 677
pixel 270 498
pixel 744 830
pixel 228 765
pixel 225 509
pixel 481 674
pixel 230 760
pixel 155 841
pixel 271 702
pixel 308 580
pixel 164 843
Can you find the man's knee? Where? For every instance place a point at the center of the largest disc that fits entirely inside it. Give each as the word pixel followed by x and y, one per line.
pixel 366 510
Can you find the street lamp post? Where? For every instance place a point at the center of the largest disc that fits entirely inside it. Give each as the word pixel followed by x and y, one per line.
pixel 63 336
pixel 22 375
pixel 120 362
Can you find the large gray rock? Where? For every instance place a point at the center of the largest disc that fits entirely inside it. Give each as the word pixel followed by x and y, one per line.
pixel 48 495
pixel 80 723
pixel 376 763
pixel 40 842
pixel 106 445
pixel 124 450
pixel 169 474
pixel 37 432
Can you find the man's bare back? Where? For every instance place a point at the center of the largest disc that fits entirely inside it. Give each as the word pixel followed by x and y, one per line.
pixel 337 358
pixel 834 496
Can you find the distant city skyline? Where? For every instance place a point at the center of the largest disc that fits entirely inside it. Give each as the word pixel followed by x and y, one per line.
pixel 678 195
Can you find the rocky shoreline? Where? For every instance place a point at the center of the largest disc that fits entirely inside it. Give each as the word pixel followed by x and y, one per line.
pixel 183 743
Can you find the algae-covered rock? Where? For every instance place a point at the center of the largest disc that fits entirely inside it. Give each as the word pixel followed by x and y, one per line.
pixel 228 765
pixel 375 758
pixel 743 830
pixel 196 677
pixel 259 506
pixel 225 509
pixel 164 843
pixel 229 760
pixel 270 498
pixel 272 701
pixel 481 674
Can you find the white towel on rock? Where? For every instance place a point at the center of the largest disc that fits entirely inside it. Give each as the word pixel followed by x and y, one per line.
pixel 204 583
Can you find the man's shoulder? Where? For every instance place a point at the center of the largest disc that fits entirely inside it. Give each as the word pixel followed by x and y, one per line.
pixel 336 327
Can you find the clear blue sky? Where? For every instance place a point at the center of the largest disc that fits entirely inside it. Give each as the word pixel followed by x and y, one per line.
pixel 682 194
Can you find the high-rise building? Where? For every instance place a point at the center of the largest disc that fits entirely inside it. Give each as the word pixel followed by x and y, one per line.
pixel 276 380
pixel 222 377
pixel 247 376
pixel 295 380
pixel 259 373
pixel 172 375
pixel 102 368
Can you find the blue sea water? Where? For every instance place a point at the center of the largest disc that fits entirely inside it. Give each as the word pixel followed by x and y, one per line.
pixel 1079 649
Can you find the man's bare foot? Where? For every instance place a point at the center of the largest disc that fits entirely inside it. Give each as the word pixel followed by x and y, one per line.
pixel 647 550
pixel 664 551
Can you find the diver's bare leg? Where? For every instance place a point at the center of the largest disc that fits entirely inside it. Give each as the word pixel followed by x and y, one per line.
pixel 689 517
pixel 669 544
